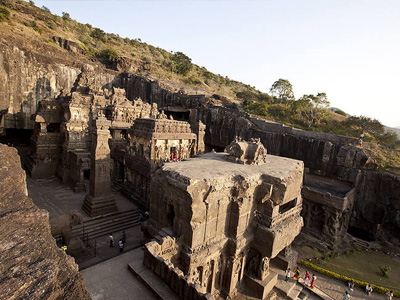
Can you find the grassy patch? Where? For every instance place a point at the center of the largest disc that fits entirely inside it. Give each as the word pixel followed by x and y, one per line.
pixel 365 266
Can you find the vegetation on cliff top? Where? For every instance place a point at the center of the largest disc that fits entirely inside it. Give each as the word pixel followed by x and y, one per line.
pixel 310 112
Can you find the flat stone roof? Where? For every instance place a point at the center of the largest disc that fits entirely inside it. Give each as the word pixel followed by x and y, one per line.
pixel 215 165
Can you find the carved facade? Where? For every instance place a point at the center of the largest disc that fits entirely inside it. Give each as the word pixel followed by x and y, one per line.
pixel 152 143
pixel 227 220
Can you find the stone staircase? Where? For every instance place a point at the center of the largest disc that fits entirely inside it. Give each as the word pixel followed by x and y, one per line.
pixel 163 233
pixel 93 228
pixel 360 243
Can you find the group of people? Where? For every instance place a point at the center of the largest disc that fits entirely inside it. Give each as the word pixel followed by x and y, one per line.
pixel 121 242
pixel 308 280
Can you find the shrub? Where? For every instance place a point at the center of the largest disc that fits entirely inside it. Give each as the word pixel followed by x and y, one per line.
pixel 46 9
pixel 66 16
pixel 4 14
pixel 385 271
pixel 193 80
pixel 98 34
pixel 108 56
pixel 182 63
pixel 36 27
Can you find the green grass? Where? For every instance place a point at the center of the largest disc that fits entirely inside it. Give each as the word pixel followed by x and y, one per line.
pixel 365 266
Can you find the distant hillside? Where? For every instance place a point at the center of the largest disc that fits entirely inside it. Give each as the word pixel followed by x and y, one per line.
pixel 32 24
pixel 394 129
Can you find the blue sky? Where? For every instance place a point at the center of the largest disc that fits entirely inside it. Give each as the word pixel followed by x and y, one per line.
pixel 347 49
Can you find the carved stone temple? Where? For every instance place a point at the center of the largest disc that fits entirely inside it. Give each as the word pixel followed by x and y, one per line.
pixel 221 218
pixel 99 200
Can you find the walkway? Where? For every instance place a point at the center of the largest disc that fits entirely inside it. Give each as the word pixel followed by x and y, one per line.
pixel 111 280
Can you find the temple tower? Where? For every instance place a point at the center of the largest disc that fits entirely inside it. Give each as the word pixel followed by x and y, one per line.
pixel 99 199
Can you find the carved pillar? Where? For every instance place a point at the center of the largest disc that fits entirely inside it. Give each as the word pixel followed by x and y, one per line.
pixel 99 199
pixel 199 129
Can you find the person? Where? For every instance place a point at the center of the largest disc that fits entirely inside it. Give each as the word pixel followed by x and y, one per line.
pixel 313 281
pixel 121 246
pixel 111 240
pixel 389 295
pixel 346 296
pixel 350 284
pixel 287 274
pixel 360 143
pixel 307 278
pixel 123 237
pixel 296 273
pixel 368 289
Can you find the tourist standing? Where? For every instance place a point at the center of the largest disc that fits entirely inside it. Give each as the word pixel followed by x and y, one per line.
pixel 346 296
pixel 368 289
pixel 287 274
pixel 296 273
pixel 121 246
pixel 111 238
pixel 351 284
pixel 389 295
pixel 307 278
pixel 313 281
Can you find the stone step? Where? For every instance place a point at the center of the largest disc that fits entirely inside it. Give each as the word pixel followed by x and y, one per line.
pixel 105 222
pixel 103 225
pixel 154 283
pixel 295 292
pixel 89 220
pixel 361 243
pixel 107 230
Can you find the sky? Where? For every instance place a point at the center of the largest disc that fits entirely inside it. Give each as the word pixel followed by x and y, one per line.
pixel 349 49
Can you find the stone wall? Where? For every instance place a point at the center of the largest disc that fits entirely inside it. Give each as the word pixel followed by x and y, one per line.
pixel 171 275
pixel 32 266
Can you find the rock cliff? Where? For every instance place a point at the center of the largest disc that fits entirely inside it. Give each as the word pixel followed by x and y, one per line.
pixel 32 266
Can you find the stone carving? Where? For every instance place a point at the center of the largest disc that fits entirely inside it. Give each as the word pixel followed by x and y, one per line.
pixel 198 186
pixel 251 153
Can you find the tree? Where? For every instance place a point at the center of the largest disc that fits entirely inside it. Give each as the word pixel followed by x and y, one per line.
pixel 46 9
pixel 282 89
pixel 182 63
pixel 66 16
pixel 98 34
pixel 312 108
pixel 366 125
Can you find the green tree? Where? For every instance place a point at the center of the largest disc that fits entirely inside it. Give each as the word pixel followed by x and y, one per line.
pixel 46 9
pixel 66 16
pixel 98 34
pixel 366 125
pixel 182 63
pixel 108 56
pixel 282 89
pixel 312 108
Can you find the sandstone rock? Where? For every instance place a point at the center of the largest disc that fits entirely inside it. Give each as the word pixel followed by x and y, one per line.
pixel 32 266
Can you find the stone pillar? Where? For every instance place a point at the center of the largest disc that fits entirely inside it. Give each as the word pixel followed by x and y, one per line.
pixel 99 199
pixel 199 129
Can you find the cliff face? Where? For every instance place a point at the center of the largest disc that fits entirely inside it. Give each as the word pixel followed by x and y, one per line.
pixel 32 266
pixel 31 72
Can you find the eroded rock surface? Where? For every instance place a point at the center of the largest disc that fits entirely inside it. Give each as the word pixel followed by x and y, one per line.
pixel 32 266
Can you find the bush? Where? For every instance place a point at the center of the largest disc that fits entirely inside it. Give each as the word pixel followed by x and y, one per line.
pixel 98 34
pixel 4 14
pixel 108 56
pixel 182 63
pixel 359 283
pixel 46 9
pixel 193 80
pixel 385 271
